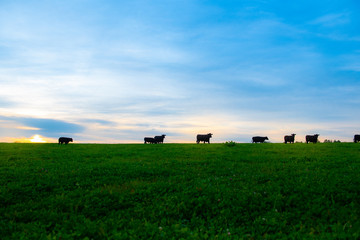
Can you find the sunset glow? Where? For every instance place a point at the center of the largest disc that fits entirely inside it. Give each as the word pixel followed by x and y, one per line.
pixel 37 139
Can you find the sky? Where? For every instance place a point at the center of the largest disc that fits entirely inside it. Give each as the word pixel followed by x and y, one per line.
pixel 118 71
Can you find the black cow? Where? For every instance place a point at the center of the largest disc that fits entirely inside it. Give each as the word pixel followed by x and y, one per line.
pixel 65 140
pixel 356 138
pixel 259 139
pixel 203 138
pixel 312 138
pixel 150 140
pixel 290 139
pixel 160 139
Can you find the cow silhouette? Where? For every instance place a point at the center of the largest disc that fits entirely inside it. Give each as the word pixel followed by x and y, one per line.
pixel 150 140
pixel 65 140
pixel 203 138
pixel 290 139
pixel 258 139
pixel 312 138
pixel 160 139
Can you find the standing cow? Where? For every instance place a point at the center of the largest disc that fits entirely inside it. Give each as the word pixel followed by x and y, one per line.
pixel 65 140
pixel 203 138
pixel 258 139
pixel 150 140
pixel 312 138
pixel 160 139
pixel 356 138
pixel 290 139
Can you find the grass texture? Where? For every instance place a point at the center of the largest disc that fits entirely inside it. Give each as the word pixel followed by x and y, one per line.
pixel 180 191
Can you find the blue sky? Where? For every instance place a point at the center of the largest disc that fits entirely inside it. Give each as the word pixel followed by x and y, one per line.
pixel 117 71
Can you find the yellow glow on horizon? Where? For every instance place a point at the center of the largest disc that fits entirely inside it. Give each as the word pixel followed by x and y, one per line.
pixel 37 139
pixel 33 139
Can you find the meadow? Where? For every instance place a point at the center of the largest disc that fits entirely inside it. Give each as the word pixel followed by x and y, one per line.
pixel 180 191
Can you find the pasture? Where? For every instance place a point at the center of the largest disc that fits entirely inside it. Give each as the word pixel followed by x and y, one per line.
pixel 180 191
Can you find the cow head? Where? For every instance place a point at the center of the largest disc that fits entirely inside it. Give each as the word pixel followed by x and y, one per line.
pixel 210 135
pixel 266 138
pixel 71 140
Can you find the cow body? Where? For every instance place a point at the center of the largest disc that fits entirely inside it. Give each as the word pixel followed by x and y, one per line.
pixel 160 139
pixel 150 140
pixel 356 138
pixel 203 138
pixel 258 139
pixel 290 139
pixel 65 140
pixel 312 138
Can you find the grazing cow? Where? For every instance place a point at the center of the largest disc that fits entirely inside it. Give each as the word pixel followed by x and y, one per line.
pixel 160 139
pixel 150 140
pixel 65 140
pixel 259 139
pixel 203 138
pixel 290 139
pixel 356 138
pixel 312 138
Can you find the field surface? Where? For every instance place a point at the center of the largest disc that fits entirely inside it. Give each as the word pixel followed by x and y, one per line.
pixel 180 191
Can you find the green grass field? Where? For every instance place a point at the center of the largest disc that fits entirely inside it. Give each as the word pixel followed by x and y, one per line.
pixel 180 191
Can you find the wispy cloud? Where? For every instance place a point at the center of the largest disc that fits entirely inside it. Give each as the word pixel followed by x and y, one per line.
pixel 350 62
pixel 28 128
pixel 332 19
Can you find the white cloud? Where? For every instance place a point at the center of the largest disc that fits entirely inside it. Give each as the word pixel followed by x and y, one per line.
pixel 332 19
